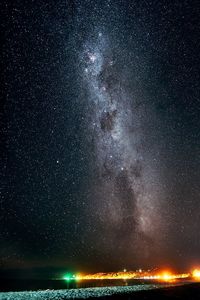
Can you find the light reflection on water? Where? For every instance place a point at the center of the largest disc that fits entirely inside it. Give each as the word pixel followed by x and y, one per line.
pixel 106 283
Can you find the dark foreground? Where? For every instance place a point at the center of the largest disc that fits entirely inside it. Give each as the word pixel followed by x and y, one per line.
pixel 186 291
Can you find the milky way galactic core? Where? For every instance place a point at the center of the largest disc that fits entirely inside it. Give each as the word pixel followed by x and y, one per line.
pixel 127 195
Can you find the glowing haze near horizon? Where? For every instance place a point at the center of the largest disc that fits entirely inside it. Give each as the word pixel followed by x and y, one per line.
pixel 100 135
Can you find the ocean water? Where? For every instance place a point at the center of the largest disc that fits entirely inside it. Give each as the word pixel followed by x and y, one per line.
pixel 32 285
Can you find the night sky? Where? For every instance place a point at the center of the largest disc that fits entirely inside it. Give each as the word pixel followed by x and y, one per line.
pixel 100 135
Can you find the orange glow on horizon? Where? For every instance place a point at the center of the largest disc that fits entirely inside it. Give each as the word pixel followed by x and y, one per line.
pixel 165 276
pixel 196 274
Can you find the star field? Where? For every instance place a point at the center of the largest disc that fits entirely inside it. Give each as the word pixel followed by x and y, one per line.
pixel 100 144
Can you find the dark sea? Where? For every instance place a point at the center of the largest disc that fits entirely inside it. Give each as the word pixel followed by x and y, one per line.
pixel 33 285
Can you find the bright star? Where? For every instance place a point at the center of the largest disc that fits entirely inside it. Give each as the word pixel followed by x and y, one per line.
pixel 92 57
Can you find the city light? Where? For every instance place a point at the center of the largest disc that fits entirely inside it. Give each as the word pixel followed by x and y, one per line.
pixel 196 274
pixel 69 277
pixel 161 276
pixel 164 276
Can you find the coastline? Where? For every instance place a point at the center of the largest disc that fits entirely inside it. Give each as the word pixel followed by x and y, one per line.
pixel 179 291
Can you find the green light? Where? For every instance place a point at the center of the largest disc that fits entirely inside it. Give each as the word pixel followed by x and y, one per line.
pixel 69 277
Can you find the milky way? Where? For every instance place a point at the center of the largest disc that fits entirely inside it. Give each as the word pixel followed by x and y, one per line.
pixel 126 204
